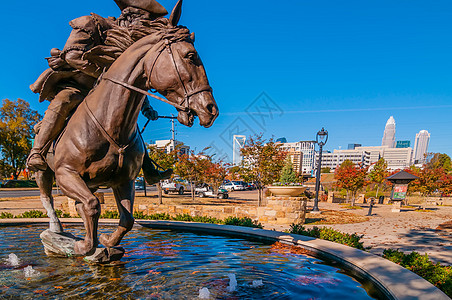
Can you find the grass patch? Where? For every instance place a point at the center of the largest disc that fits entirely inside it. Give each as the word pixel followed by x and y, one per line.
pixel 438 275
pixel 424 210
pixel 329 234
pixel 19 184
pixel 329 217
pixel 348 206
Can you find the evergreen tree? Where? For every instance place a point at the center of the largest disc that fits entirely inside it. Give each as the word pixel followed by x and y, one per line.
pixel 288 175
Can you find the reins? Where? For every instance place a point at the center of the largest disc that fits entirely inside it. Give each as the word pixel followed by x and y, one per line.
pixel 165 44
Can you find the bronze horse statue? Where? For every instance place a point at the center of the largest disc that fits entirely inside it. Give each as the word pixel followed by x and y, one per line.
pixel 101 145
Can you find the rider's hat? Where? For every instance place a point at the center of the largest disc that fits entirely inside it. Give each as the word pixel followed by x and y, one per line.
pixel 151 6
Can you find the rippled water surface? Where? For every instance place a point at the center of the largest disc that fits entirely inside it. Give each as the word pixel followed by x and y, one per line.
pixel 168 265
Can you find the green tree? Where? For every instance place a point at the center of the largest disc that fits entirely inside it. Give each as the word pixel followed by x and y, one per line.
pixel 430 179
pixel 350 177
pixel 262 163
pixel 288 175
pixel 5 170
pixel 439 160
pixel 16 132
pixel 378 174
pixel 325 170
pixel 164 160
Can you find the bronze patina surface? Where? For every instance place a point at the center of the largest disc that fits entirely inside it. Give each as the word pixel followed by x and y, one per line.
pixel 96 86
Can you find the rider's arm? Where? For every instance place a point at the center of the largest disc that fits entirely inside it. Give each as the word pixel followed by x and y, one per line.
pixel 148 111
pixel 83 37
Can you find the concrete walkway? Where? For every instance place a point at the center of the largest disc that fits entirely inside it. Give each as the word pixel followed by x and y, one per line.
pixel 407 231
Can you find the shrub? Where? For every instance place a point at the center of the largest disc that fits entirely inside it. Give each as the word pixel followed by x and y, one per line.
pixel 6 215
pixel 162 216
pixel 438 275
pixel 61 214
pixel 329 234
pixel 183 217
pixel 245 222
pixel 32 214
pixel 110 215
pixel 206 219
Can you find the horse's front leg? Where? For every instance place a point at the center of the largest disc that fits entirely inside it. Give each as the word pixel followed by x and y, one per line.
pixel 44 179
pixel 124 195
pixel 87 205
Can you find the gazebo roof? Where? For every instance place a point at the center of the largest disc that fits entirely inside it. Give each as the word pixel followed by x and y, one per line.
pixel 402 175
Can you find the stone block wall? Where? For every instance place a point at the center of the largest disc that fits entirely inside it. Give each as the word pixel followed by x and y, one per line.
pixel 279 210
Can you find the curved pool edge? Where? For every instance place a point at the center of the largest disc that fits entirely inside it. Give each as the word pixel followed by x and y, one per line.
pixel 394 281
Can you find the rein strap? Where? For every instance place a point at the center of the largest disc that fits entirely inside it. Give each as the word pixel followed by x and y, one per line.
pixel 134 88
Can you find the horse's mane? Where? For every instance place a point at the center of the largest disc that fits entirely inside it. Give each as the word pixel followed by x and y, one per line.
pixel 119 39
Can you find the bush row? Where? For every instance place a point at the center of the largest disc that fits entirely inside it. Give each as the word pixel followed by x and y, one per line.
pixel 438 275
pixel 329 234
pixel 32 214
pixel 245 222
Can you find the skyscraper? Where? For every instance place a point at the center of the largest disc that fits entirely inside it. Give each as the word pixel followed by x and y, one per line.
pixel 237 144
pixel 421 146
pixel 389 134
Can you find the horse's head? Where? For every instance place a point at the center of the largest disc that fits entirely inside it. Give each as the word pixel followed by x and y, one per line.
pixel 175 70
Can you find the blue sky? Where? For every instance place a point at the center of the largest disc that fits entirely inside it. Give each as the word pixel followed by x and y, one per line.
pixel 284 68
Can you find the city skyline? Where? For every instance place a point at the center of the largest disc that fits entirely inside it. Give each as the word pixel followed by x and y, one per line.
pixel 345 66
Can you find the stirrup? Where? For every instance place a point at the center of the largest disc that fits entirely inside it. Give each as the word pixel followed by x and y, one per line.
pixel 40 165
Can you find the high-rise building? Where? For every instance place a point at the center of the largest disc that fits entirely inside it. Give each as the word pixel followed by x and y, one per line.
pixel 389 134
pixel 421 146
pixel 238 143
pixel 337 157
pixel 302 155
pixel 170 145
pixel 353 146
pixel 403 144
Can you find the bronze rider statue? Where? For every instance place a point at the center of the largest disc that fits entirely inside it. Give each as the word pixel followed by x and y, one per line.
pixel 71 77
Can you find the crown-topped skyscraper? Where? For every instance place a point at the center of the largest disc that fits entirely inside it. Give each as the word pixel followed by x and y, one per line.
pixel 389 134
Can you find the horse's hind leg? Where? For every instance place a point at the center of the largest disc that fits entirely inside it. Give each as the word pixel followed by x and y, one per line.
pixel 87 205
pixel 44 179
pixel 124 195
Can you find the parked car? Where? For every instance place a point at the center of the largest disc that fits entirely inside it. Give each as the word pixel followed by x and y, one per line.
pixel 176 185
pixel 233 186
pixel 250 186
pixel 207 191
pixel 139 184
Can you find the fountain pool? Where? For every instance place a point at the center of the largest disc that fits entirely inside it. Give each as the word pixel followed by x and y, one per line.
pixel 163 264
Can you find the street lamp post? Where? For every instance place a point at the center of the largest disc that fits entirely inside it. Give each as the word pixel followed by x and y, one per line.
pixel 321 139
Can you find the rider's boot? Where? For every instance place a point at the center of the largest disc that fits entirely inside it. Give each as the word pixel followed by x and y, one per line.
pixel 51 126
pixel 151 174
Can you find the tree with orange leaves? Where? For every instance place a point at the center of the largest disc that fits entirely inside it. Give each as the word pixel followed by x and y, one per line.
pixel 262 163
pixel 350 177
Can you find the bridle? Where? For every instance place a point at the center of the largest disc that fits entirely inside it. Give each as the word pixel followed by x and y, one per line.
pixel 185 104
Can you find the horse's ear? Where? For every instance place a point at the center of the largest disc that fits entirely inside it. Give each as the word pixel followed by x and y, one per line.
pixel 176 13
pixel 192 36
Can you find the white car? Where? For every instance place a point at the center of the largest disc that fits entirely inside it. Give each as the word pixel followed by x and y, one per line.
pixel 233 186
pixel 176 185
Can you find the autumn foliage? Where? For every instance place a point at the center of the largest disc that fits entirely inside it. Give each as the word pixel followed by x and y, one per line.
pixel 350 177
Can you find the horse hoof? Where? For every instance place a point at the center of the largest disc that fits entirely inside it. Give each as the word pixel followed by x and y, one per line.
pixel 83 248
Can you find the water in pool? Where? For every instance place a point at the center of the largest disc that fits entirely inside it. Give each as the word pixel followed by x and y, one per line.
pixel 163 264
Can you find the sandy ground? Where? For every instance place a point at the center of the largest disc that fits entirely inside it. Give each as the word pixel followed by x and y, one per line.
pixel 408 230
